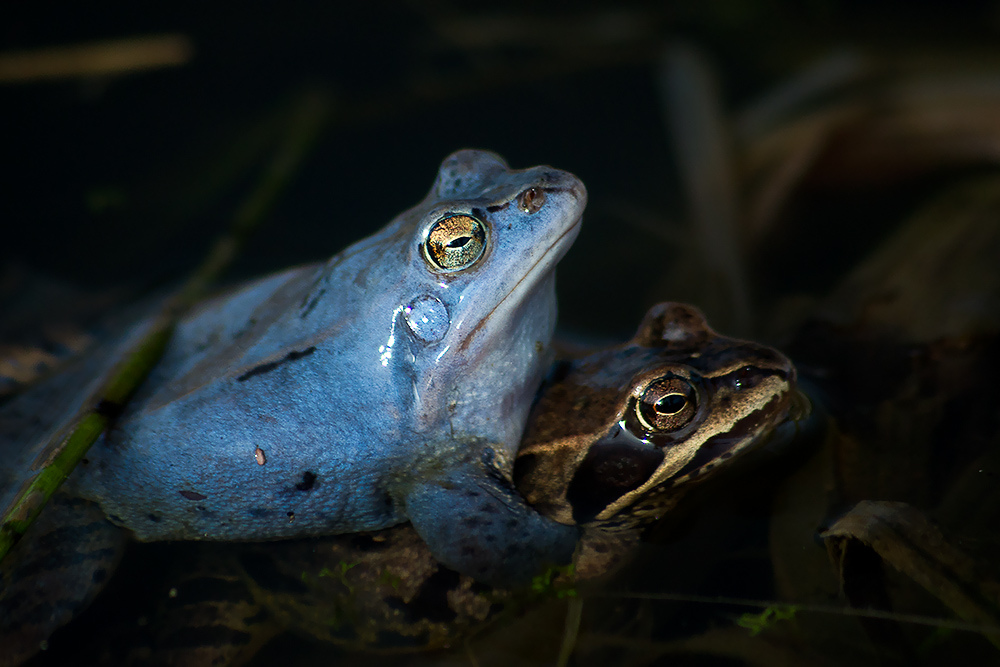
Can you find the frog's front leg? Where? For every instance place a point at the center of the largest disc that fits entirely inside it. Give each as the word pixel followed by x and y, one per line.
pixel 474 521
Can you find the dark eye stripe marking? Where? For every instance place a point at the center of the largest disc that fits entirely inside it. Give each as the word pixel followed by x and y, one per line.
pixel 609 471
pixel 719 446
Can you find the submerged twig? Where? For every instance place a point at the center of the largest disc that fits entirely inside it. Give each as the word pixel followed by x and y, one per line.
pixel 810 608
pixel 571 631
pixel 303 127
pixel 699 131
pixel 97 58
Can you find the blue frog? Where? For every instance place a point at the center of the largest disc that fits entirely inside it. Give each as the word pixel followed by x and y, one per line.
pixel 388 384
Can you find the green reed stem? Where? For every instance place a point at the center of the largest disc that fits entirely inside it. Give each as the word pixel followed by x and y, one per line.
pixel 303 126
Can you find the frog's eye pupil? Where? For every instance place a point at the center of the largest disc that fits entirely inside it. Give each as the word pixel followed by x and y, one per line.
pixel 455 242
pixel 670 404
pixel 667 404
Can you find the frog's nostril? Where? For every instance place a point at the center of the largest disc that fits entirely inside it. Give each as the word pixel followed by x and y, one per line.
pixel 531 200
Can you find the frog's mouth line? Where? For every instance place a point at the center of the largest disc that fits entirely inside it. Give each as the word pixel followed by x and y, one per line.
pixel 529 274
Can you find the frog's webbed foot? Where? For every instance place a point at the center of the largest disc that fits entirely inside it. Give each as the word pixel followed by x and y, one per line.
pixel 53 573
pixel 474 521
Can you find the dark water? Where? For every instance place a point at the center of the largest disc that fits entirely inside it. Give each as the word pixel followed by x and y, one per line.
pixel 113 178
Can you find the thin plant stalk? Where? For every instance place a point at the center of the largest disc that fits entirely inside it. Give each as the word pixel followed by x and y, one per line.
pixel 303 126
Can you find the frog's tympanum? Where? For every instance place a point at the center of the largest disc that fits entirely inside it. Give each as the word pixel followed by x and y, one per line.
pixel 613 442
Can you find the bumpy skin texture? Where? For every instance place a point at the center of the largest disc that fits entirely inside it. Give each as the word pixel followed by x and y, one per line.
pixel 386 591
pixel 359 393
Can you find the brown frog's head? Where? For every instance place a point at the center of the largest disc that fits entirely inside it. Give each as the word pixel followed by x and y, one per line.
pixel 620 434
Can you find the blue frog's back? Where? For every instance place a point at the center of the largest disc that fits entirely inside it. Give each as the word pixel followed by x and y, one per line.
pixel 345 396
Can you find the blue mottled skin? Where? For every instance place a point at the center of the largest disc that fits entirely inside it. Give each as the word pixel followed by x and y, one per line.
pixel 363 392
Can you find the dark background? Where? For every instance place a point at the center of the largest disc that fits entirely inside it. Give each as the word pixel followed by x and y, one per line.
pixel 115 179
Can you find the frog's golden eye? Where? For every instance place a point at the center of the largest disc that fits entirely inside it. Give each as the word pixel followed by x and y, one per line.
pixel 667 404
pixel 455 242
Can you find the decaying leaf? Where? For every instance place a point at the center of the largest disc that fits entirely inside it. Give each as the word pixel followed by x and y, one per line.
pixel 908 541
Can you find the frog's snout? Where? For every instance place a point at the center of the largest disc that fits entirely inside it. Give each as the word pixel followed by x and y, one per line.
pixel 554 180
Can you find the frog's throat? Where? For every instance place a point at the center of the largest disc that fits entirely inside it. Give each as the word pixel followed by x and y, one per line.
pixel 529 281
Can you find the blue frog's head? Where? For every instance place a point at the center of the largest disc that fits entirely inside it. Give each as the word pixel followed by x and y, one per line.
pixel 474 305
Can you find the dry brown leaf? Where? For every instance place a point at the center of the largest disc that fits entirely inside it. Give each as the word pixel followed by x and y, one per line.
pixel 904 538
